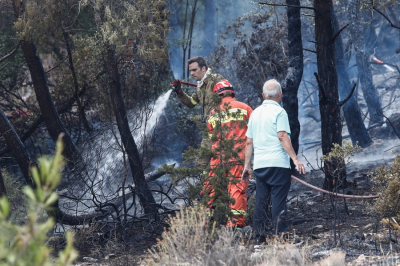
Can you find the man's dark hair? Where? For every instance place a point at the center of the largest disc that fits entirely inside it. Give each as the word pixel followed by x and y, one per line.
pixel 199 60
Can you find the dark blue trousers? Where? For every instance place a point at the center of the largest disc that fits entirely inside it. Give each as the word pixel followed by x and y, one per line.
pixel 273 184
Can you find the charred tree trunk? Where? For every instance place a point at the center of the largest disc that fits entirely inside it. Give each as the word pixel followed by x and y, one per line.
pixel 355 123
pixel 295 72
pixel 143 191
pixel 3 191
pixel 190 33
pixel 331 126
pixel 210 27
pixel 17 148
pixel 184 43
pixel 371 95
pixel 52 120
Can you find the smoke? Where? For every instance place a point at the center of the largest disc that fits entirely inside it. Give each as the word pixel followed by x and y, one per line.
pixel 382 41
pixel 211 19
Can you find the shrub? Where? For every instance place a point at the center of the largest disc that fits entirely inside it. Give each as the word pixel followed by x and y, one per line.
pixel 188 242
pixel 386 182
pixel 25 244
pixel 17 199
pixel 337 160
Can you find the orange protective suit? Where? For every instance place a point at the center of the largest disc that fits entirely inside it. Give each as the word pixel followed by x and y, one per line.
pixel 231 119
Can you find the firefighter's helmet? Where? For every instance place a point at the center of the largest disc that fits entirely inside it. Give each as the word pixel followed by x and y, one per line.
pixel 222 87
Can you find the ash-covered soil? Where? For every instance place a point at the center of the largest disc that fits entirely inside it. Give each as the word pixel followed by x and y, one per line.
pixel 328 223
pixel 323 223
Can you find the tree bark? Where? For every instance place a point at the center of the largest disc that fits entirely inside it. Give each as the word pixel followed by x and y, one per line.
pixel 371 95
pixel 3 191
pixel 143 191
pixel 331 127
pixel 17 148
pixel 295 72
pixel 52 120
pixel 355 123
pixel 39 80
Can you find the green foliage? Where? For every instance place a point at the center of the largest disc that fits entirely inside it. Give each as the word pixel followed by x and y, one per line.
pixel 16 198
pixel 145 22
pixel 42 22
pixel 341 153
pixel 224 155
pixel 338 158
pixel 386 182
pixel 26 244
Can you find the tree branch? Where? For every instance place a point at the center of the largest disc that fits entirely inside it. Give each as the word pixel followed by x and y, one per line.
pixel 11 53
pixel 341 103
pixel 308 50
pixel 270 4
pixel 337 33
pixel 3 67
pixel 380 12
pixel 67 106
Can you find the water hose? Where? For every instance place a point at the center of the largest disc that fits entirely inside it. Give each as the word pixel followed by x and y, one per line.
pixel 334 193
pixel 187 83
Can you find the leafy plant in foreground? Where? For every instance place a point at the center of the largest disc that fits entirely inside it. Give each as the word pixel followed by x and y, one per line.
pixel 25 245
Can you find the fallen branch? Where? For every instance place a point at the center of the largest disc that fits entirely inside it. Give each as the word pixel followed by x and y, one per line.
pixel 104 211
pixel 271 4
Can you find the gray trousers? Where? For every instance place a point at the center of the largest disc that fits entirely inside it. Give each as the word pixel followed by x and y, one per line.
pixel 273 184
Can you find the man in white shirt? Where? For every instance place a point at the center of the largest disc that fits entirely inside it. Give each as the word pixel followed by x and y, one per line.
pixel 268 135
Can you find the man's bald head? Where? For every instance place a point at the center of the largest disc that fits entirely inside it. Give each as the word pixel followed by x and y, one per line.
pixel 272 89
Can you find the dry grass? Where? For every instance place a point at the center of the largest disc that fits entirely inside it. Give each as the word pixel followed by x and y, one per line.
pixel 189 242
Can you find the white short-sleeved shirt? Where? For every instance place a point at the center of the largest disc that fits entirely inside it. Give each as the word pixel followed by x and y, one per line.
pixel 264 124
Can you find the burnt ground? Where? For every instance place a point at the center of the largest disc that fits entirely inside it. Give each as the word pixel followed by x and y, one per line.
pixel 361 235
pixel 352 229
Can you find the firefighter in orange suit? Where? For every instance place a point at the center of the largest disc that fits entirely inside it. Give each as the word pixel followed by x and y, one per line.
pixel 229 121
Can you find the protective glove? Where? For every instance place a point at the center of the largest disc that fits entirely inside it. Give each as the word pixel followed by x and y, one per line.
pixel 176 84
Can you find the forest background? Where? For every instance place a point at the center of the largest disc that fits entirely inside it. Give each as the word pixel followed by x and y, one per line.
pixel 99 73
